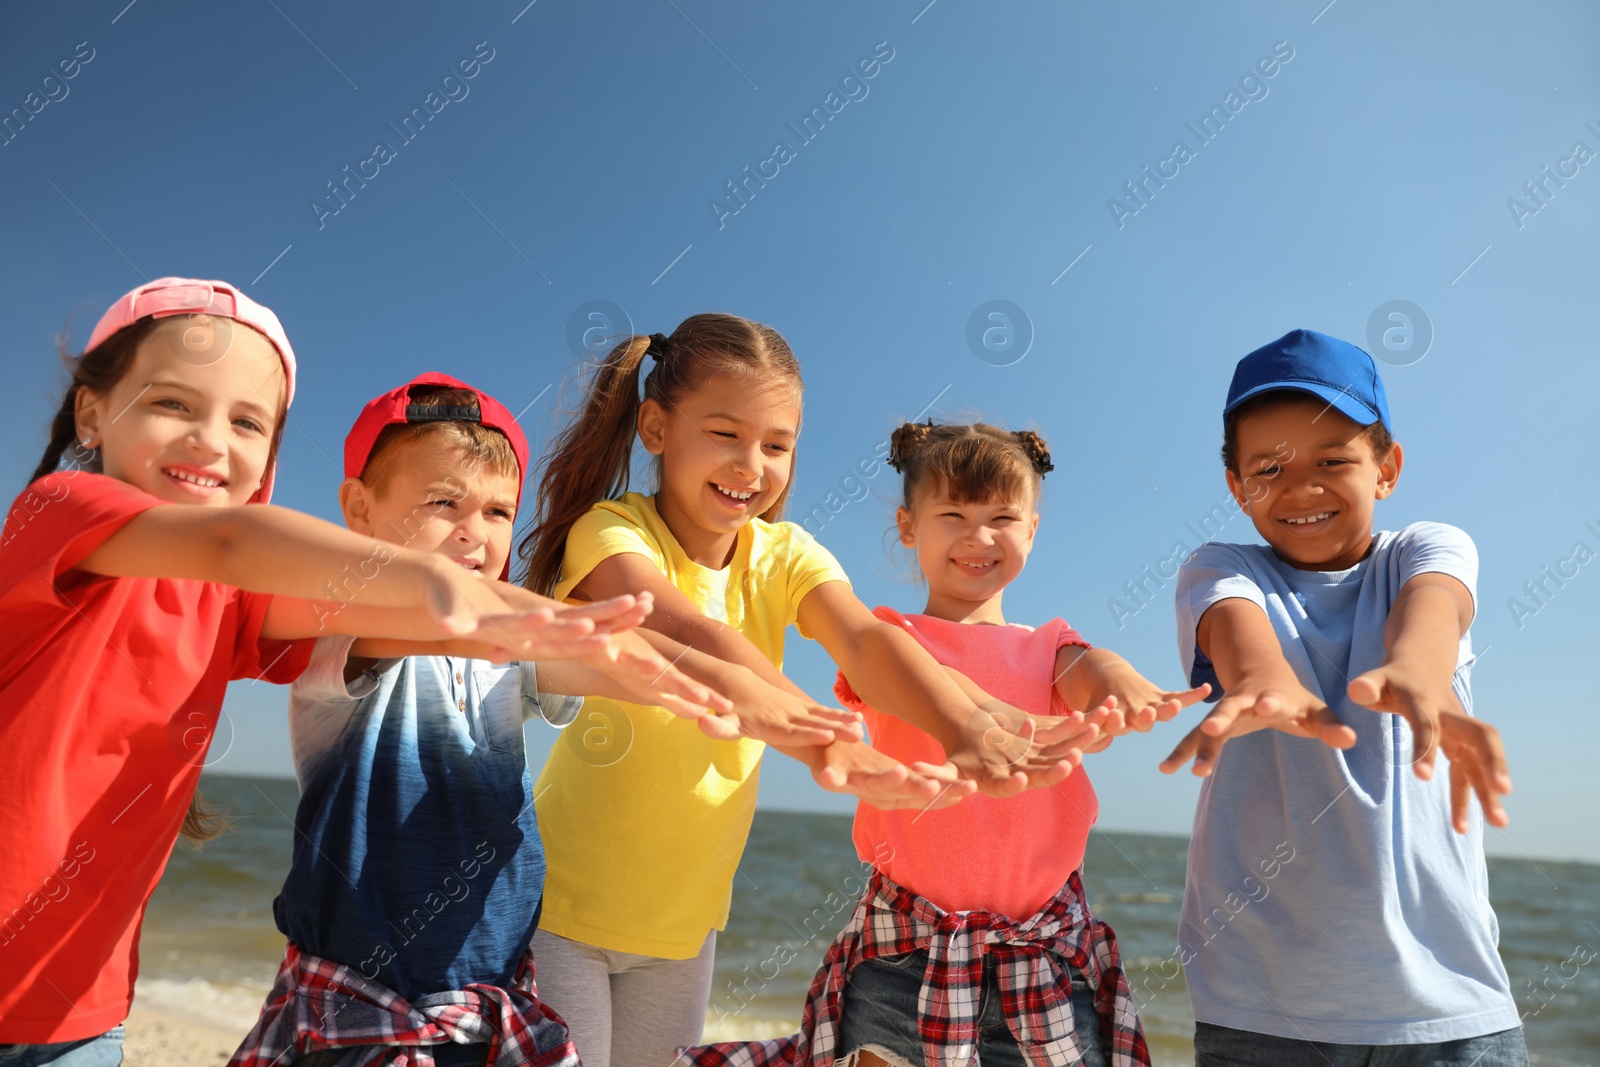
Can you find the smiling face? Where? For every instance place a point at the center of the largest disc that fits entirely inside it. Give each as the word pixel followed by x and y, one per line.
pixel 1308 479
pixel 727 453
pixel 969 552
pixel 183 425
pixel 437 499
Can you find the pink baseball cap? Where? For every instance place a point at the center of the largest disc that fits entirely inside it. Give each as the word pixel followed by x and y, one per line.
pixel 394 407
pixel 166 297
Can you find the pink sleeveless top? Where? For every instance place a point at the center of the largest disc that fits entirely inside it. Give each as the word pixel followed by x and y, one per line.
pixel 1005 856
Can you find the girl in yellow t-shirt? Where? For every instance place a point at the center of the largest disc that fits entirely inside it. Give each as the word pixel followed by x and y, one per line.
pixel 643 817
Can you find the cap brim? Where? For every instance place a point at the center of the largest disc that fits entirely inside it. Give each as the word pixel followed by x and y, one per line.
pixel 1340 401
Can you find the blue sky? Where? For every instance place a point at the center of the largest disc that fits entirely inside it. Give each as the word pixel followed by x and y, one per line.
pixel 581 160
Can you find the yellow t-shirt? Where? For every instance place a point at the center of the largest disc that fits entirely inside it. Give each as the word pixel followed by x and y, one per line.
pixel 643 817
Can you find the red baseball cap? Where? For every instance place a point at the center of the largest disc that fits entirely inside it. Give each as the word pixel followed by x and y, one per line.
pixel 166 297
pixel 395 408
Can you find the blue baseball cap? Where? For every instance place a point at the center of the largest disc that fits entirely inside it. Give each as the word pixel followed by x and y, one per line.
pixel 1310 362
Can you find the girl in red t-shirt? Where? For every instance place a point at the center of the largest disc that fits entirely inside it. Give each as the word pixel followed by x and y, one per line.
pixel 133 587
pixel 974 929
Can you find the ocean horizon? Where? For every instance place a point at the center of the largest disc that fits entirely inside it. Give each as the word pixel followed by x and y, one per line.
pixel 210 949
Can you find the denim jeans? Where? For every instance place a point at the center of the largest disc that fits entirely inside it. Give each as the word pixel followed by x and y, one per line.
pixel 1221 1046
pixel 102 1051
pixel 880 1013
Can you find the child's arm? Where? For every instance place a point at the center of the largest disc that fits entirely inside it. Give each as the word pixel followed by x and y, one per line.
pixel 641 676
pixel 266 549
pixel 857 768
pixel 1099 678
pixel 1260 689
pixel 891 671
pixel 1421 638
pixel 779 710
pixel 843 766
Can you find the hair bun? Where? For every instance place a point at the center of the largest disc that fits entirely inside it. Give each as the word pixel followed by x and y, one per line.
pixel 1037 451
pixel 906 442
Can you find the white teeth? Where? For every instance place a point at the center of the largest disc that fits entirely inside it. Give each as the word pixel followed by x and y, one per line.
pixel 1309 519
pixel 731 493
pixel 983 566
pixel 195 479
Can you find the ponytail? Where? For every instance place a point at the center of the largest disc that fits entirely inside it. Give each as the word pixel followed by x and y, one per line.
pixel 591 460
pixel 97 370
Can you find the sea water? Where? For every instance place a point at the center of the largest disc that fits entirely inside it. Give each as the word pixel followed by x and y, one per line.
pixel 210 949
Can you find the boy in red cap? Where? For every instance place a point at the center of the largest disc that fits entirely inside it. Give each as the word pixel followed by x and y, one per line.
pixel 418 869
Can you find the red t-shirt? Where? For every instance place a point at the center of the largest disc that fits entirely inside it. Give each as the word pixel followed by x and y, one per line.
pixel 109 694
pixel 984 854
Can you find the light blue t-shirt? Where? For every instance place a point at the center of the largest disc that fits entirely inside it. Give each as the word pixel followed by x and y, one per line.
pixel 1328 897
pixel 417 858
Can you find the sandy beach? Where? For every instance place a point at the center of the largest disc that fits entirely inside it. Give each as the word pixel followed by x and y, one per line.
pixel 158 1039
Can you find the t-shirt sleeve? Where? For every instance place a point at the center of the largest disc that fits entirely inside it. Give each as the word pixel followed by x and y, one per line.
pixel 810 565
pixel 557 709
pixel 600 534
pixel 1066 635
pixel 55 524
pixel 257 657
pixel 1213 573
pixel 1437 548
pixel 322 680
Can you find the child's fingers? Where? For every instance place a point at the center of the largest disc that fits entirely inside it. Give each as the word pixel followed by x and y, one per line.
pixel 1000 782
pixel 1367 690
pixel 1189 696
pixel 946 773
pixel 1325 726
pixel 1220 719
pixel 1483 781
pixel 719 727
pixel 674 682
pixel 1461 799
pixel 1071 732
pixel 833 716
pixel 1464 738
pixel 1424 740
pixel 1054 772
pixel 1492 752
pixel 1478 779
pixel 1480 756
pixel 610 608
pixel 1184 752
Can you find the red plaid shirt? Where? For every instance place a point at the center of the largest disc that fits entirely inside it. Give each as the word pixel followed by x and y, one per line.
pixel 1037 958
pixel 318 1004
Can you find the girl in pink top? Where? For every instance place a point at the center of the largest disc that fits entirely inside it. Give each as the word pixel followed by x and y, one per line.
pixel 974 937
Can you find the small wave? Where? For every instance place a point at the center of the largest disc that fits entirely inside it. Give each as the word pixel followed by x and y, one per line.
pixel 231 1006
pixel 748 1027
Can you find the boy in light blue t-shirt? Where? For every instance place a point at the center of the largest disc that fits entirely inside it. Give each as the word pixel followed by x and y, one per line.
pixel 1330 914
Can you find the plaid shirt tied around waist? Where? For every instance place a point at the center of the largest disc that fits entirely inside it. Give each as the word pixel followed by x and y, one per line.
pixel 1036 959
pixel 317 1004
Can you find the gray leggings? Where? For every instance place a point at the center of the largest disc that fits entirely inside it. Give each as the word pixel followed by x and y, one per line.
pixel 623 1009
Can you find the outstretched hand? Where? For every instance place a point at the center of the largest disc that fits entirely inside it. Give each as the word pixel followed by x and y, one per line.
pixel 1286 706
pixel 766 713
pixel 857 768
pixel 1001 755
pixel 647 677
pixel 1477 757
